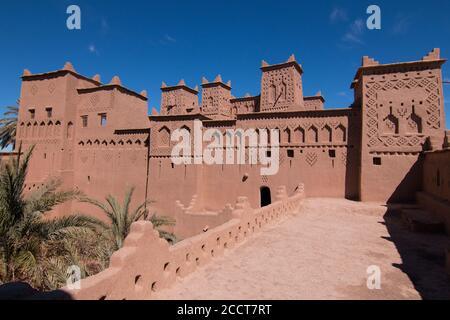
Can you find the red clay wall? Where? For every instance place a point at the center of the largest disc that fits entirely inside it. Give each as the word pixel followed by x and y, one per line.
pixel 402 105
pixel 435 195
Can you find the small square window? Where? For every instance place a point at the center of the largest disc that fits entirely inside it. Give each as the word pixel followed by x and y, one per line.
pixel 84 121
pixel 290 153
pixel 332 153
pixel 49 112
pixel 32 113
pixel 377 161
pixel 103 119
pixel 269 153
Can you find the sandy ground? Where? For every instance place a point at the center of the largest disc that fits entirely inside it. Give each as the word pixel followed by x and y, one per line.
pixel 323 252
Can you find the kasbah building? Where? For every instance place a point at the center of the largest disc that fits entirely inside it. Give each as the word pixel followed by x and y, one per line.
pixel 389 146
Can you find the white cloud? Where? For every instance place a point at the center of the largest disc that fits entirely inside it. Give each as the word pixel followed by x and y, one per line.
pixel 342 94
pixel 338 15
pixel 402 24
pixel 169 38
pixel 93 49
pixel 104 25
pixel 355 32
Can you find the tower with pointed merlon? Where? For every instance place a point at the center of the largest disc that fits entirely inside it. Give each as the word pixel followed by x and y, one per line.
pixel 179 99
pixel 281 86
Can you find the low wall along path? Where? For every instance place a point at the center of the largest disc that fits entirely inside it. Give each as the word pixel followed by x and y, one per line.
pixel 147 263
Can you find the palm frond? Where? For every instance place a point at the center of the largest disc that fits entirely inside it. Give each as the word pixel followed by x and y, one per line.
pixel 8 125
pixel 159 221
pixel 71 225
pixel 47 197
pixel 168 236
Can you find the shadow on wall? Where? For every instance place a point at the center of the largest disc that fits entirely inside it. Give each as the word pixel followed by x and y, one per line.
pixel 23 291
pixel 422 256
pixel 405 192
pixel 353 165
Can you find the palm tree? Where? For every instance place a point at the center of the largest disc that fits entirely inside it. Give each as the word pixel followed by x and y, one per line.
pixel 121 217
pixel 8 126
pixel 34 248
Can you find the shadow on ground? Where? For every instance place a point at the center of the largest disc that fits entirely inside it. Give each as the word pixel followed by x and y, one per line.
pixel 423 256
pixel 23 291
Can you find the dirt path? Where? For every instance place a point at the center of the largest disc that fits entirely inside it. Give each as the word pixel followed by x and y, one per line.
pixel 323 253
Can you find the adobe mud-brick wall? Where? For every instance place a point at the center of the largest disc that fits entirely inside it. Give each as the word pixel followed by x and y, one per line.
pixel 402 106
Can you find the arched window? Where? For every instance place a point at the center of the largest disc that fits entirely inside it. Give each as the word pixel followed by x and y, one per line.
pixel 312 136
pixel 70 130
pixel 164 137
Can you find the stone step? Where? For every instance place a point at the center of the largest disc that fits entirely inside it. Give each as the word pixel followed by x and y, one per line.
pixel 397 209
pixel 418 220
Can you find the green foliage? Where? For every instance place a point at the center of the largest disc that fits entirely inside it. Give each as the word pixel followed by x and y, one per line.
pixel 35 248
pixel 38 249
pixel 8 125
pixel 121 217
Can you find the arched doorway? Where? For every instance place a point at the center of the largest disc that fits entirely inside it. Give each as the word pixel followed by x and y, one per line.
pixel 265 196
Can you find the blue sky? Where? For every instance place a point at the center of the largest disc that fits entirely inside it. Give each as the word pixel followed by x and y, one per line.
pixel 146 42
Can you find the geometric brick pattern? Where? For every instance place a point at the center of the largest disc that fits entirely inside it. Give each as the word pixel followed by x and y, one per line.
pixel 430 85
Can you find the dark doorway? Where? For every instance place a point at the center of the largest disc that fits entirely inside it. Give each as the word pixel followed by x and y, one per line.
pixel 266 199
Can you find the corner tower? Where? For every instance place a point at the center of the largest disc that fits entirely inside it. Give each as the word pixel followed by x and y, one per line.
pixel 402 109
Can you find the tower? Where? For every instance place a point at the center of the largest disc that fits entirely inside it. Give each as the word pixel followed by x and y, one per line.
pixel 46 119
pixel 216 96
pixel 402 110
pixel 281 86
pixel 179 99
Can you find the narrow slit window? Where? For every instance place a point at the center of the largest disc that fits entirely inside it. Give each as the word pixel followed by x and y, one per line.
pixel 290 153
pixel 103 119
pixel 377 161
pixel 84 121
pixel 49 112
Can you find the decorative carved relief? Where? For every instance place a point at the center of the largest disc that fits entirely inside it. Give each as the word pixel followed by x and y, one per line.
pixel 51 87
pixel 327 134
pixel 344 157
pixel 34 89
pixel 414 123
pixel 311 158
pixel 312 135
pixel 278 89
pixel 164 137
pixel 94 99
pixel 299 135
pixel 340 134
pixel 390 124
